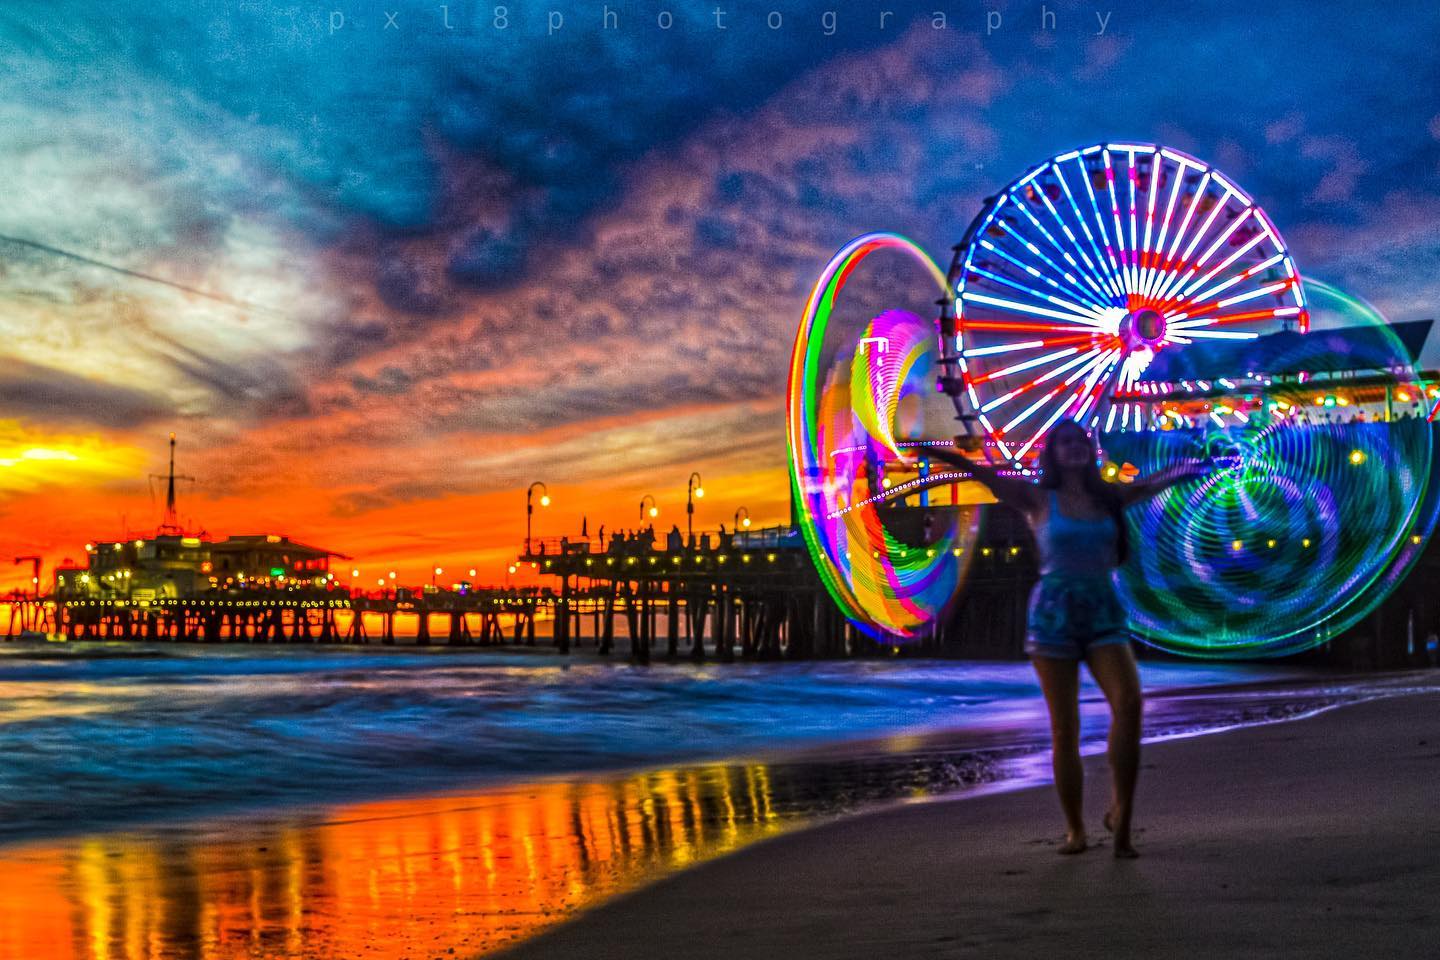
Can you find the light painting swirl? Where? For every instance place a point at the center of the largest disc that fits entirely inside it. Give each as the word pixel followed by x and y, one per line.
pixel 891 559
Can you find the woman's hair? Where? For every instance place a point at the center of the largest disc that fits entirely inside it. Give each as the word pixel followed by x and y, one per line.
pixel 1103 493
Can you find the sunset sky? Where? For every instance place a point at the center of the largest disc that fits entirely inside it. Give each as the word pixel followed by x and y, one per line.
pixel 379 278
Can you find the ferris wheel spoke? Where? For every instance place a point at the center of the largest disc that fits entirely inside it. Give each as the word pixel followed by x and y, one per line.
pixel 1186 319
pixel 1125 267
pixel 1199 327
pixel 1030 410
pixel 1033 272
pixel 1092 386
pixel 1205 334
pixel 1102 267
pixel 1026 344
pixel 1084 361
pixel 1093 275
pixel 1040 295
pixel 1007 326
pixel 1244 248
pixel 1200 235
pixel 1158 270
pixel 1025 365
pixel 1196 198
pixel 1104 233
pixel 1030 309
pixel 1132 175
pixel 1245 274
pixel 1031 248
pixel 1097 370
pixel 1147 276
pixel 1229 231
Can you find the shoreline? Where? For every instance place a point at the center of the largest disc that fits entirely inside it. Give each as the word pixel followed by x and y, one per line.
pixel 990 755
pixel 1255 841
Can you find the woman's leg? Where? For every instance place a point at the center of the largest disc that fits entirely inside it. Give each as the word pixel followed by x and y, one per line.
pixel 1113 666
pixel 1060 681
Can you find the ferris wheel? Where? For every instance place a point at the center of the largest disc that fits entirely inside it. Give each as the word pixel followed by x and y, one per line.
pixel 1079 273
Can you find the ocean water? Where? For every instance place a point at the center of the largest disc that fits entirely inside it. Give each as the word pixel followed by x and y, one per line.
pixel 97 736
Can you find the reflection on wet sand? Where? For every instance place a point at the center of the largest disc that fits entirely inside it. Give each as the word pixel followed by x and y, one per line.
pixel 395 879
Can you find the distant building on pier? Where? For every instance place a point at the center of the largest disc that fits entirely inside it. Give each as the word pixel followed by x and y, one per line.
pixel 174 563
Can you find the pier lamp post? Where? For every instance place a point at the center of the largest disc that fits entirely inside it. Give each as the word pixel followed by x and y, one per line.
pixel 438 571
pixel 742 521
pixel 654 510
pixel 693 489
pixel 530 508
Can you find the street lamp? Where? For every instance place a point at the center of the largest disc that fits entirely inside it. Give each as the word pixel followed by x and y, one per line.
pixel 438 571
pixel 654 508
pixel 693 489
pixel 739 522
pixel 530 508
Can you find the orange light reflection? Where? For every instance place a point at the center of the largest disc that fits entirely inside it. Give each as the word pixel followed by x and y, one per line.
pixel 389 879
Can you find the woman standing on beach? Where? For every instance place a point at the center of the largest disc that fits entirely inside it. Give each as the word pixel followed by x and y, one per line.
pixel 1075 613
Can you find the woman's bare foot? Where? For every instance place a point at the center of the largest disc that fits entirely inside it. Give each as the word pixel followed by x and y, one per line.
pixel 1074 843
pixel 1109 820
pixel 1124 851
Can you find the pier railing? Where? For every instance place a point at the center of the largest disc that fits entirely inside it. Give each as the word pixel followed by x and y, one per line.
pixel 639 543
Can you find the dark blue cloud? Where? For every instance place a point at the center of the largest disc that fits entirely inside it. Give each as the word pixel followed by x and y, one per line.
pixel 368 118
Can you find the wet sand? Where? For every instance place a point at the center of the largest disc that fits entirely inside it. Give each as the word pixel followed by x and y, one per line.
pixel 1313 838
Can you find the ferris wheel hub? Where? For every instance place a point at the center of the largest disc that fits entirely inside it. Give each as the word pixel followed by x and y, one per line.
pixel 1144 327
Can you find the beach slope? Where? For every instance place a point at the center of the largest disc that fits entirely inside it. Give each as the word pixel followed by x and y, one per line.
pixel 1313 838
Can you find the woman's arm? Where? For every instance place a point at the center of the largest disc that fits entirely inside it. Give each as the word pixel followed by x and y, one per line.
pixel 1162 480
pixel 1019 494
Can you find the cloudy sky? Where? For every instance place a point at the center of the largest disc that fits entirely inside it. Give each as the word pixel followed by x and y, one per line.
pixel 381 270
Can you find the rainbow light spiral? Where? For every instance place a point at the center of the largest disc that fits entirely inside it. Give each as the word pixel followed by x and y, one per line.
pixel 842 422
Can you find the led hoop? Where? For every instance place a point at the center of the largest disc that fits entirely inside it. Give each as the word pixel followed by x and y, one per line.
pixel 844 423
pixel 1077 274
pixel 1313 521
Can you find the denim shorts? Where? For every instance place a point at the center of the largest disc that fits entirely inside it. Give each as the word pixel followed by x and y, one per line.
pixel 1069 615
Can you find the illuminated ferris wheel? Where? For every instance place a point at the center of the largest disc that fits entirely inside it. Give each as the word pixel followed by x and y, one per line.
pixel 1078 274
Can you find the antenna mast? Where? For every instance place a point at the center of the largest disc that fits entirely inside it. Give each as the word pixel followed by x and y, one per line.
pixel 170 524
pixel 171 520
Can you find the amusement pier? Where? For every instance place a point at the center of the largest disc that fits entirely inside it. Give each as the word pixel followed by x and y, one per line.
pixel 723 595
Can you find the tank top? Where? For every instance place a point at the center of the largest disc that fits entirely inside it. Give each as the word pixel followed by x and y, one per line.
pixel 1073 547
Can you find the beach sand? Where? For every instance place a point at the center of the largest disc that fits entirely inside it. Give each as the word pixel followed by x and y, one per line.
pixel 1318 837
